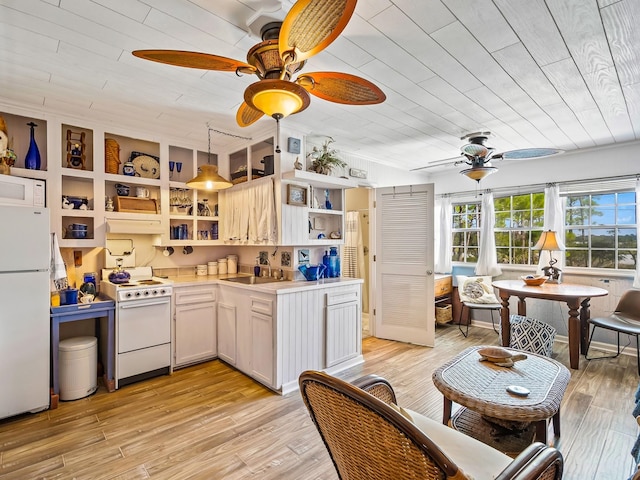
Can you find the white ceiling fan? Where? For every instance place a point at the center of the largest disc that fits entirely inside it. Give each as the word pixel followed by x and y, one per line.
pixel 478 156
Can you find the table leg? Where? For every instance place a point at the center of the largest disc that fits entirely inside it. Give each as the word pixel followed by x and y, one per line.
pixel 585 314
pixel 446 415
pixel 541 431
pixel 522 306
pixel 504 320
pixel 574 333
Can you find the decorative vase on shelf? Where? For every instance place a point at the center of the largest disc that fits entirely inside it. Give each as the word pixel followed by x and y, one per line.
pixel 32 161
pixel 327 202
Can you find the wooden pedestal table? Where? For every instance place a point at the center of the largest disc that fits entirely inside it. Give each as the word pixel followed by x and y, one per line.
pixel 101 310
pixel 577 298
pixel 481 387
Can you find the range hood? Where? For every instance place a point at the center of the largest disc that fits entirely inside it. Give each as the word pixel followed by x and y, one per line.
pixel 144 227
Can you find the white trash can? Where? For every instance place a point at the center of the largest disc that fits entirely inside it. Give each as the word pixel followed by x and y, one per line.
pixel 78 367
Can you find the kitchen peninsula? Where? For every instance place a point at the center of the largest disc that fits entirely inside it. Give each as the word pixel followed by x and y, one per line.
pixel 269 331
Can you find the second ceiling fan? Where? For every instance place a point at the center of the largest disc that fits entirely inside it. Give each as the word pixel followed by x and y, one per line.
pixel 308 28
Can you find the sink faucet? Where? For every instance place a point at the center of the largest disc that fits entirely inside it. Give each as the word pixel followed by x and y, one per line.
pixel 269 267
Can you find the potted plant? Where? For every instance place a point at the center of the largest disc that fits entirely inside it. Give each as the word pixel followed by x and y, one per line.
pixel 324 159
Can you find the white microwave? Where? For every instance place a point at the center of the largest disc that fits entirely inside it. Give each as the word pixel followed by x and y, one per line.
pixel 26 192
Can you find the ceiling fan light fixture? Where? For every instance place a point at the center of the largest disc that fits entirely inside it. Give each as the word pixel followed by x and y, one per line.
pixel 209 179
pixel 478 173
pixel 277 98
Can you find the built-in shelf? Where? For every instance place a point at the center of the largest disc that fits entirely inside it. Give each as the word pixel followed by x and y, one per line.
pixel 318 180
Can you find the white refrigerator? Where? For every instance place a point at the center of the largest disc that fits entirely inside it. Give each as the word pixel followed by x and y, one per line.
pixel 25 251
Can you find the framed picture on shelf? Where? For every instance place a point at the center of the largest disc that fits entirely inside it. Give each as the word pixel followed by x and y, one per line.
pixel 296 195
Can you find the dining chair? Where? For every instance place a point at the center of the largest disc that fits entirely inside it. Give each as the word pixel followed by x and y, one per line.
pixel 624 319
pixel 369 437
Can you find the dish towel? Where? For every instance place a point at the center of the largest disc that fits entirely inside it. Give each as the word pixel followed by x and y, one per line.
pixel 58 268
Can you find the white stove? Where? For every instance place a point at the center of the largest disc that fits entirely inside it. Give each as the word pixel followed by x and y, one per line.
pixel 143 324
pixel 141 285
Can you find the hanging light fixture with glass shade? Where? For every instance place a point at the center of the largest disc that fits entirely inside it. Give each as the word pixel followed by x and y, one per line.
pixel 477 155
pixel 208 177
pixel 549 241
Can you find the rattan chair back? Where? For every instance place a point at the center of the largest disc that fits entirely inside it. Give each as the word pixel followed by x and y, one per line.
pixel 367 438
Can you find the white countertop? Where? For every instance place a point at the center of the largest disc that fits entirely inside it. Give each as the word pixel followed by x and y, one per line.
pixel 277 287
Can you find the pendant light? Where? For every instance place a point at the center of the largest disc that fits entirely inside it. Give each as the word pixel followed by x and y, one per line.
pixel 208 177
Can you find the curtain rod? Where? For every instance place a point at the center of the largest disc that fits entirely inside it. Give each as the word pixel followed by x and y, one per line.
pixel 536 186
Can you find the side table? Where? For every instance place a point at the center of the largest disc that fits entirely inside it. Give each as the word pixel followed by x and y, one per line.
pixel 482 388
pixel 99 309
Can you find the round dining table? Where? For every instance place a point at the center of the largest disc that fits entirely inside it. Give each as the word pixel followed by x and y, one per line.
pixel 577 298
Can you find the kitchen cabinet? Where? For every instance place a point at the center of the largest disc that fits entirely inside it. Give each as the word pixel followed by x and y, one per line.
pixel 195 324
pixel 342 321
pixel 87 161
pixel 245 332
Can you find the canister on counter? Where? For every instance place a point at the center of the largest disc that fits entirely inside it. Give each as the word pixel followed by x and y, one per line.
pixel 212 268
pixel 222 266
pixel 201 270
pixel 232 264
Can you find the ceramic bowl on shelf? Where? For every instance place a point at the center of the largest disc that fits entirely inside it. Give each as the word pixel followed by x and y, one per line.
pixel 534 280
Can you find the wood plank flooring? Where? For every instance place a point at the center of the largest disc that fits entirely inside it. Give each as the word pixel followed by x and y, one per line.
pixel 211 422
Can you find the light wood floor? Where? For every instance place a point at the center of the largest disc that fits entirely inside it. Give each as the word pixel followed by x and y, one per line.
pixel 211 422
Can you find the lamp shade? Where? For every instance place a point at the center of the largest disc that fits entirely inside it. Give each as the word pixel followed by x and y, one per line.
pixel 276 98
pixel 478 173
pixel 549 241
pixel 209 179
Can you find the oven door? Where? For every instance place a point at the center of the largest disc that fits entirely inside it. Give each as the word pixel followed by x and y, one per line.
pixel 143 323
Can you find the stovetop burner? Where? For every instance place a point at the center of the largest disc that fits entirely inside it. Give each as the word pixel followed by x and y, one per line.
pixel 141 283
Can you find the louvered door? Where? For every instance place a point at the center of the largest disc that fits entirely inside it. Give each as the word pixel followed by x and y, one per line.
pixel 404 264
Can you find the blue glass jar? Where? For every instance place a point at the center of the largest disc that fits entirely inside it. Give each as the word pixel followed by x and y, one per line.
pixel 334 262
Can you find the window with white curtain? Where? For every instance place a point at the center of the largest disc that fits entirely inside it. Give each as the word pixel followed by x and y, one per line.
pixel 466 232
pixel 519 222
pixel 600 226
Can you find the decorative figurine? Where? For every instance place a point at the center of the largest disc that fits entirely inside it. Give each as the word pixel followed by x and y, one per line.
pixel 7 157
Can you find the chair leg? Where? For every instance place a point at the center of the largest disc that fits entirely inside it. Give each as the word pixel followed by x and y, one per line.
pixel 638 352
pixel 464 334
pixel 493 322
pixel 586 354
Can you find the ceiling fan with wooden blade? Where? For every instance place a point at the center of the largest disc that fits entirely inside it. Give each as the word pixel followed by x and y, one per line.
pixel 308 28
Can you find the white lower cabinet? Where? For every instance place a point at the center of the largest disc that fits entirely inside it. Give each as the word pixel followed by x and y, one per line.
pixel 227 332
pixel 273 338
pixel 195 332
pixel 342 326
pixel 245 332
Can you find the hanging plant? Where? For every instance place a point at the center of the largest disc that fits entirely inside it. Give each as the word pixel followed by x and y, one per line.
pixel 324 159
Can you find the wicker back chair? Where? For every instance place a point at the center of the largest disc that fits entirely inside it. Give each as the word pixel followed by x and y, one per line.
pixel 370 438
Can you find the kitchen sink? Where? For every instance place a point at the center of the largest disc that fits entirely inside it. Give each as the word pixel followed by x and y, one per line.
pixel 254 280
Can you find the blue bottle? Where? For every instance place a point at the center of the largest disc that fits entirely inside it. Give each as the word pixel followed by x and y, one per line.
pixel 32 160
pixel 327 265
pixel 334 262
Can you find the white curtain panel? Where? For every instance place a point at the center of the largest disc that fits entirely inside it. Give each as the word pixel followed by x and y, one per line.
pixel 553 220
pixel 442 239
pixel 636 280
pixel 487 257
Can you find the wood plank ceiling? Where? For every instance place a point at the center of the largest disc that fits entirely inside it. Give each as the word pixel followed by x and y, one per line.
pixel 536 73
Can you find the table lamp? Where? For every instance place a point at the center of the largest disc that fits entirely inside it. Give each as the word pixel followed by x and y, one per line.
pixel 549 241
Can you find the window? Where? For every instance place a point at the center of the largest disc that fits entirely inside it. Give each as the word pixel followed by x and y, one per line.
pixel 466 230
pixel 600 227
pixel 519 222
pixel 600 230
